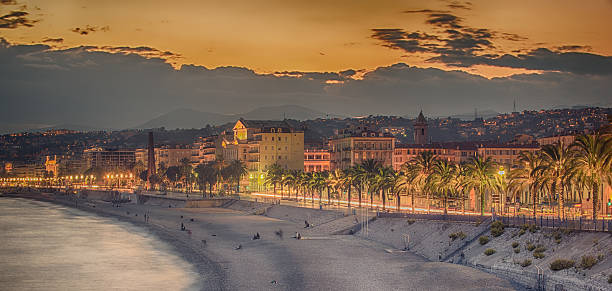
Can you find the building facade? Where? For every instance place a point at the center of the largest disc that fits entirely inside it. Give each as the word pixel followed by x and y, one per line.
pixel 317 160
pixel 260 144
pixel 352 146
pixel 109 159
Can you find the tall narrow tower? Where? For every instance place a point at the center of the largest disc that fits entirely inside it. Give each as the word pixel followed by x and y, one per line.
pixel 150 158
pixel 420 129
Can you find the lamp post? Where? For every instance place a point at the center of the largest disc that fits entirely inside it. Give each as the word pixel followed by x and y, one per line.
pixel 501 172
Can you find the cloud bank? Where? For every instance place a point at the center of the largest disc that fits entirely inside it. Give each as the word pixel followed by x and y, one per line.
pixel 125 86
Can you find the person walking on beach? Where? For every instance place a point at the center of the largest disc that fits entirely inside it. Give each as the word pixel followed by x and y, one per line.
pixel 182 227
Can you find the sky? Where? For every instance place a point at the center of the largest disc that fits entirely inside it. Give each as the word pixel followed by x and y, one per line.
pixel 83 61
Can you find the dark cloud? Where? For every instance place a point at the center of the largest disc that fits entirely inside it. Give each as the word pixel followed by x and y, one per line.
pixel 399 39
pixel 459 5
pixel 564 48
pixel 425 11
pixel 459 45
pixel 14 19
pixel 104 88
pixel 53 40
pixel 444 20
pixel 89 29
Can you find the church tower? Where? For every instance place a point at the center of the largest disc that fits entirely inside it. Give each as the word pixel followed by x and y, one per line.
pixel 420 129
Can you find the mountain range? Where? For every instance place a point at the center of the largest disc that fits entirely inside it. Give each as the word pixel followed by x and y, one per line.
pixel 190 118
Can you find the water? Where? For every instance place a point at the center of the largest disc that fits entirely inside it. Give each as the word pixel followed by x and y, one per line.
pixel 49 247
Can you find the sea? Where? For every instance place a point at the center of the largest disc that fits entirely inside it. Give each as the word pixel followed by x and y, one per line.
pixel 44 246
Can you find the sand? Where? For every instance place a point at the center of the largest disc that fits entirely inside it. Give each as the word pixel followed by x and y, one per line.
pixel 319 262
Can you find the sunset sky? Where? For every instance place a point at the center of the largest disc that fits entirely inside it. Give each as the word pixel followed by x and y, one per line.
pixel 269 36
pixel 288 38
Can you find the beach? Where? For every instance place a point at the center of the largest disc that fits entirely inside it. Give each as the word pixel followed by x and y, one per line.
pixel 219 243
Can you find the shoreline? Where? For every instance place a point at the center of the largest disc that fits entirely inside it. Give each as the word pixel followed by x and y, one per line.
pixel 211 274
pixel 286 264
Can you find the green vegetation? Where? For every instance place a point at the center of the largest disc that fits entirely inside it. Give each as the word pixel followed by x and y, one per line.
pixel 483 240
pixel 457 235
pixel 610 278
pixel 526 263
pixel 515 244
pixel 538 255
pixel 539 249
pixel 521 232
pixel 410 221
pixel 587 262
pixel 530 246
pixel 561 264
pixel 517 250
pixel 489 252
pixel 497 228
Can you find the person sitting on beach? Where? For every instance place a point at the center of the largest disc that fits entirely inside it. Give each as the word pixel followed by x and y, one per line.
pixel 307 225
pixel 182 227
pixel 256 236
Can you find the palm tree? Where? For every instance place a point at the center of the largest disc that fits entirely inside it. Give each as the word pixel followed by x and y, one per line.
pixel 422 166
pixel 384 179
pixel 557 166
pixel 357 174
pixel 594 163
pixel 237 170
pixel 186 172
pixel 526 176
pixel 441 180
pixel 481 172
pixel 273 176
pixel 336 181
pixel 288 179
pixel 406 181
pixel 368 176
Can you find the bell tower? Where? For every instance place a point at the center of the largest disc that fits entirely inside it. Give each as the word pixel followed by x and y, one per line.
pixel 420 129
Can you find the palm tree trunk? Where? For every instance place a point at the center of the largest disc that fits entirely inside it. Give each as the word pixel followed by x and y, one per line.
pixel 595 200
pixel 559 190
pixel 534 193
pixel 349 196
pixel 428 202
pixel 383 198
pixel 445 205
pixel 412 202
pixel 462 202
pixel 398 201
pixel 482 200
pixel 359 192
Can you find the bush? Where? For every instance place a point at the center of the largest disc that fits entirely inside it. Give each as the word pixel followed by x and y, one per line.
pixel 530 246
pixel 410 221
pixel 515 244
pixel 610 278
pixel 457 235
pixel 525 263
pixel 521 232
pixel 557 235
pixel 538 255
pixel 497 228
pixel 587 262
pixel 561 264
pixel 489 252
pixel 533 228
pixel 483 240
pixel 558 241
pixel 517 250
pixel 539 249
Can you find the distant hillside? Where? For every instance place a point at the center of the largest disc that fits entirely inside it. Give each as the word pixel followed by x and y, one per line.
pixel 189 118
pixel 185 118
pixel 470 116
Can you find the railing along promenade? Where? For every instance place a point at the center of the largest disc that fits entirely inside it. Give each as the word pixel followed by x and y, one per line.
pixel 580 224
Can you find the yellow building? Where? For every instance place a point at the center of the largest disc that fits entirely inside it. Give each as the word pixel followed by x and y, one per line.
pixel 262 143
